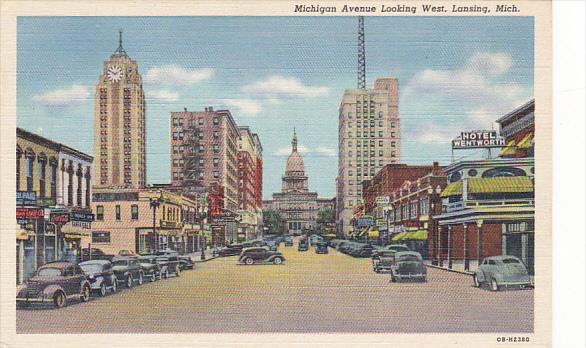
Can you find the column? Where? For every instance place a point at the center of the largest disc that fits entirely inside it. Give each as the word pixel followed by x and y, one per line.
pixel 450 246
pixel 439 246
pixel 466 249
pixel 479 243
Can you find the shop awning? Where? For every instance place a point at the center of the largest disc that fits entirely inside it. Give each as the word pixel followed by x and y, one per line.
pixel 399 236
pixel 363 232
pixel 510 149
pixel 373 234
pixel 412 235
pixel 453 189
pixel 514 184
pixel 526 142
pixel 330 235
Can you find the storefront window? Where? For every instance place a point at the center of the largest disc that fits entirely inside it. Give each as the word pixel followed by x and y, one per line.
pixel 100 237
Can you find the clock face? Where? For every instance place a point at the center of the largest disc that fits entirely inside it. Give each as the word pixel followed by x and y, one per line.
pixel 114 73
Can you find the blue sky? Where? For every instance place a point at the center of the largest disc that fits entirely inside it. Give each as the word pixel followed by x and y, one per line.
pixel 276 73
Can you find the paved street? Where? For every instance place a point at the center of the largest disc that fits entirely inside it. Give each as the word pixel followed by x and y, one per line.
pixel 309 293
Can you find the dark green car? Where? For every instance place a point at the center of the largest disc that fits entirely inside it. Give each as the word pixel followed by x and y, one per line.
pixel 502 272
pixel 151 268
pixel 408 265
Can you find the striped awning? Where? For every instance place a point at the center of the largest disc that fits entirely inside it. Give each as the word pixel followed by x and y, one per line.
pixel 510 149
pixel 514 184
pixel 412 235
pixel 453 189
pixel 526 142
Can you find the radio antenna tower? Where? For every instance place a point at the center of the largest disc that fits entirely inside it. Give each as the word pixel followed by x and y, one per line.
pixel 361 54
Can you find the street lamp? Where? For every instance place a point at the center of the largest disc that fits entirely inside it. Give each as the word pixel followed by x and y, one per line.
pixel 155 203
pixel 202 210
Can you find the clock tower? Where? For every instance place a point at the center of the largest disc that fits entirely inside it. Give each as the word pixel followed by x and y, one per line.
pixel 119 124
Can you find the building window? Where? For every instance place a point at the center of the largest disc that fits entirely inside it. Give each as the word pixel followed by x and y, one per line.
pixel 42 175
pixel 424 207
pixel 134 212
pixel 216 174
pixel 100 237
pixel 100 213
pixel 216 135
pixel 200 121
pixel 118 212
pixel 216 121
pixel 392 124
pixel 29 172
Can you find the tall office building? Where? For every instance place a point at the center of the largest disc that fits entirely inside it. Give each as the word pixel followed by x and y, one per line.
pixel 119 124
pixel 369 138
pixel 204 153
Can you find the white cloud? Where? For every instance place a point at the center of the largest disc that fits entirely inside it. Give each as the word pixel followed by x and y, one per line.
pixel 75 95
pixel 173 74
pixel 277 87
pixel 475 91
pixel 163 95
pixel 319 151
pixel 245 106
pixel 326 151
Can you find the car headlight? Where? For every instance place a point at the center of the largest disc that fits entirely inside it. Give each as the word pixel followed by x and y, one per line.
pixel 91 276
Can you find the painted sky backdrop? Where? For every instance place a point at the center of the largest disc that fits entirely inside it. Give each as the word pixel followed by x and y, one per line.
pixel 276 73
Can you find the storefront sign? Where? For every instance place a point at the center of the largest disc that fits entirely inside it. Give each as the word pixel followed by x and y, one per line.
pixel 29 213
pixel 381 200
pixel 59 218
pixel 365 221
pixel 478 139
pixel 168 224
pixel 26 198
pixel 85 217
pixel 382 223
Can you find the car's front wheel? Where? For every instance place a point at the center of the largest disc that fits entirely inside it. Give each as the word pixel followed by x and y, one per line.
pixel 114 285
pixel 166 274
pixel 129 281
pixel 477 282
pixel 249 261
pixel 102 291
pixel 59 299
pixel 140 278
pixel 277 260
pixel 85 293
pixel 494 286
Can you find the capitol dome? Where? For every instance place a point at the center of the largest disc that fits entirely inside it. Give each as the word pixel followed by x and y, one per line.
pixel 295 166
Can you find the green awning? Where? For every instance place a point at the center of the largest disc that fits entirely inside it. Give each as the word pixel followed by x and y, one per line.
pixel 514 184
pixel 453 189
pixel 399 236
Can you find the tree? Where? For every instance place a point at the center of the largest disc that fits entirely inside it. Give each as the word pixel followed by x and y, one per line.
pixel 326 220
pixel 273 220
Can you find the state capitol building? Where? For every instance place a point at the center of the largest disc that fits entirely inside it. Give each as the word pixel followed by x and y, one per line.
pixel 297 205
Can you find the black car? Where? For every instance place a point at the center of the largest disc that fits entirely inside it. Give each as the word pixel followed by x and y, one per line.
pixel 94 254
pixel 303 245
pixel 128 270
pixel 54 282
pixel 150 267
pixel 169 265
pixel 231 250
pixel 321 248
pixel 185 261
pixel 100 275
pixel 250 256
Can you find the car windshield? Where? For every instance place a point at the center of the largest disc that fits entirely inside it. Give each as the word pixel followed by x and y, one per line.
pixel 510 261
pixel 408 258
pixel 49 272
pixel 162 259
pixel 120 263
pixel 91 267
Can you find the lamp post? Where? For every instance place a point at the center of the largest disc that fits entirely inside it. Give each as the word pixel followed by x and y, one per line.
pixel 202 210
pixel 155 203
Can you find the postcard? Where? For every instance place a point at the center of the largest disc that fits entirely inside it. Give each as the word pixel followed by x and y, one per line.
pixel 276 173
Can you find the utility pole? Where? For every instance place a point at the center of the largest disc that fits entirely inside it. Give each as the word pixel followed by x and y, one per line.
pixel 361 54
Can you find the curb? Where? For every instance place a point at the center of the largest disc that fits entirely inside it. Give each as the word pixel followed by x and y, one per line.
pixel 450 270
pixel 206 260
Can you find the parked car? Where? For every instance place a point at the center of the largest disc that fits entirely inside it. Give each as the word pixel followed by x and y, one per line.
pixel 289 241
pixel 126 253
pixel 56 283
pixel 100 275
pixel 502 271
pixel 254 255
pixel 408 265
pixel 169 265
pixel 321 248
pixel 94 254
pixel 391 247
pixel 302 246
pixel 128 271
pixel 185 261
pixel 150 267
pixel 361 250
pixel 230 250
pixel 383 260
